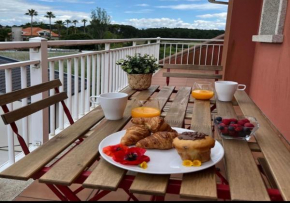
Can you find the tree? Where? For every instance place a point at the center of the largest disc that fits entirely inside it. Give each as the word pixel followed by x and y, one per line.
pixel 84 21
pixel 31 13
pixel 67 22
pixel 49 15
pixel 100 21
pixel 59 24
pixel 75 22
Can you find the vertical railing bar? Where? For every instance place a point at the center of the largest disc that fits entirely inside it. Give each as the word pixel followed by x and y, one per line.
pixel 82 96
pixel 182 45
pixel 187 54
pixel 69 85
pixel 200 49
pixel 110 72
pixel 88 90
pixel 76 89
pixel 164 53
pixel 52 107
pixel 194 56
pixel 113 64
pixel 98 74
pixel 24 103
pixel 93 78
pixel 218 61
pixel 176 47
pixel 212 54
pixel 103 73
pixel 61 113
pixel 205 62
pixel 10 134
pixel 170 54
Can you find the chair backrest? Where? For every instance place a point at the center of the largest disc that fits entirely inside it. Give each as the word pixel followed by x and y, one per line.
pixel 214 75
pixel 9 117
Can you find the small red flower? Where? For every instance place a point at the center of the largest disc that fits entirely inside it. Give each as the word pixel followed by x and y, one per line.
pixel 131 156
pixel 110 150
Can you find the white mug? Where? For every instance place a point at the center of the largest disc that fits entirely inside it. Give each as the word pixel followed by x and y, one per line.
pixel 113 104
pixel 225 90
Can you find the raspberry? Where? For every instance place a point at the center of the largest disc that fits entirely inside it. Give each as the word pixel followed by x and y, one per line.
pixel 225 131
pixel 222 124
pixel 249 125
pixel 242 123
pixel 238 129
pixel 226 121
pixel 232 133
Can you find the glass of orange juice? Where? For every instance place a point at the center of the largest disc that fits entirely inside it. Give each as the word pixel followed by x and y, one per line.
pixel 147 108
pixel 202 90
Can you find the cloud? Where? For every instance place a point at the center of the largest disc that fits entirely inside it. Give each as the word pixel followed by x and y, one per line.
pixel 174 23
pixel 15 9
pixel 222 15
pixel 70 1
pixel 205 6
pixel 140 11
pixel 142 5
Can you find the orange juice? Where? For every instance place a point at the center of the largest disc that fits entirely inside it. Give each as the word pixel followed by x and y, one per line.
pixel 202 94
pixel 145 112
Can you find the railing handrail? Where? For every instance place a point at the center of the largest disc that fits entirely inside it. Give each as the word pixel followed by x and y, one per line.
pixel 18 64
pixel 53 43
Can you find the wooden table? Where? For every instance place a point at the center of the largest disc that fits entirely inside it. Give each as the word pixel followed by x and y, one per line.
pixel 243 179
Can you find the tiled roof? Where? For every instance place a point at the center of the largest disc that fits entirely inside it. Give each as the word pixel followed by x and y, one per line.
pixel 35 30
pixel 16 77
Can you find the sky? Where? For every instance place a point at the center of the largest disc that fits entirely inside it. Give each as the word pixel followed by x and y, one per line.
pixel 142 14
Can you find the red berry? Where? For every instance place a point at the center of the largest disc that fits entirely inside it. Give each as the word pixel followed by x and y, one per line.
pixel 249 125
pixel 226 121
pixel 225 131
pixel 238 129
pixel 240 122
pixel 222 124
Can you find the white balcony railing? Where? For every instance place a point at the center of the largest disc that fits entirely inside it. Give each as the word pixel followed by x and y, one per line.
pixel 95 71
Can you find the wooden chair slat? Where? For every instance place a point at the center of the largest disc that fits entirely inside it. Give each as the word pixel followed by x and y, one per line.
pixel 27 92
pixel 192 75
pixel 157 184
pixel 33 162
pixel 192 67
pixel 241 168
pixel 32 108
pixel 100 181
pixel 267 136
pixel 69 167
pixel 194 184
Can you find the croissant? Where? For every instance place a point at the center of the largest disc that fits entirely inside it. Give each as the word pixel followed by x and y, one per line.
pixel 159 140
pixel 154 124
pixel 134 134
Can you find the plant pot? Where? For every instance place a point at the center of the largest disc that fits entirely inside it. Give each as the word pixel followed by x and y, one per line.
pixel 139 81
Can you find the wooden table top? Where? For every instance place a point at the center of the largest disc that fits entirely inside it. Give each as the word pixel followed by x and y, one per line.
pixel 242 172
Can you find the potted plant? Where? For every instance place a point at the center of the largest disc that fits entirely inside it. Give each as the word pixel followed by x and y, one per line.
pixel 139 70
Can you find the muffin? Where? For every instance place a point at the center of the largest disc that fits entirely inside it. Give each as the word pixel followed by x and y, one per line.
pixel 194 146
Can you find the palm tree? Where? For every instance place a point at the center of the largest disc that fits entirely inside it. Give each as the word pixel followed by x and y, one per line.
pixel 75 22
pixel 67 22
pixel 84 21
pixel 31 13
pixel 49 15
pixel 59 24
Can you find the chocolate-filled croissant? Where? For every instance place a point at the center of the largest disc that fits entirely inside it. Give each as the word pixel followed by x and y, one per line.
pixel 154 124
pixel 134 134
pixel 158 140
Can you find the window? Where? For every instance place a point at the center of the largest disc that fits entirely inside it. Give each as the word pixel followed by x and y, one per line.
pixel 272 21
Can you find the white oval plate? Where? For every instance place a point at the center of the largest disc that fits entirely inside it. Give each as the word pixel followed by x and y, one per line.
pixel 161 161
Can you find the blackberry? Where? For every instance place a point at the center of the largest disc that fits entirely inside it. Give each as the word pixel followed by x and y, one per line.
pixel 231 128
pixel 219 118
